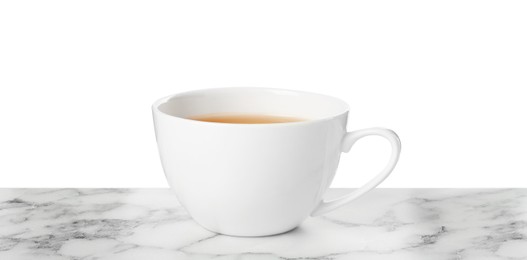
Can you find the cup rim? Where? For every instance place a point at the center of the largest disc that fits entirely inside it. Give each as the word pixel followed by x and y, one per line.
pixel 160 101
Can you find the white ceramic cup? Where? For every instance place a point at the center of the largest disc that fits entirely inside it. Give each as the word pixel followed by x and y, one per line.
pixel 257 179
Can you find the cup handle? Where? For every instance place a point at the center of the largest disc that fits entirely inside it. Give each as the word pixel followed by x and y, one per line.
pixel 347 142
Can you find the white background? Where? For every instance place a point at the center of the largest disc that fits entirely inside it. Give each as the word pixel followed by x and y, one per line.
pixel 77 79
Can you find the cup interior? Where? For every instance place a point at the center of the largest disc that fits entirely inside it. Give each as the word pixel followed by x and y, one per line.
pixel 265 101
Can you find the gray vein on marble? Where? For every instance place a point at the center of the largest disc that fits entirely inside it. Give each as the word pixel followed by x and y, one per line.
pixel 94 224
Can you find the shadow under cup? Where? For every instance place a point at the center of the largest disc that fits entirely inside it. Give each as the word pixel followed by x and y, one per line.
pixel 250 179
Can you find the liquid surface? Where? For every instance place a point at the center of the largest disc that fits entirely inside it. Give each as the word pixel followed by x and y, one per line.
pixel 245 118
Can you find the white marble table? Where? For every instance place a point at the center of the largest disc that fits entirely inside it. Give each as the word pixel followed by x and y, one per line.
pixel 131 224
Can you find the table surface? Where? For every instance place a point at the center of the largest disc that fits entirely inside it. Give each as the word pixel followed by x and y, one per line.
pixel 133 224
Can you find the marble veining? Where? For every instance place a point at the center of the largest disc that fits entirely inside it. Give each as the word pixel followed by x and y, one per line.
pixel 89 224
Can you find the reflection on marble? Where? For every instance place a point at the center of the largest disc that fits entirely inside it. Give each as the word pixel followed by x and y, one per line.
pixel 88 224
